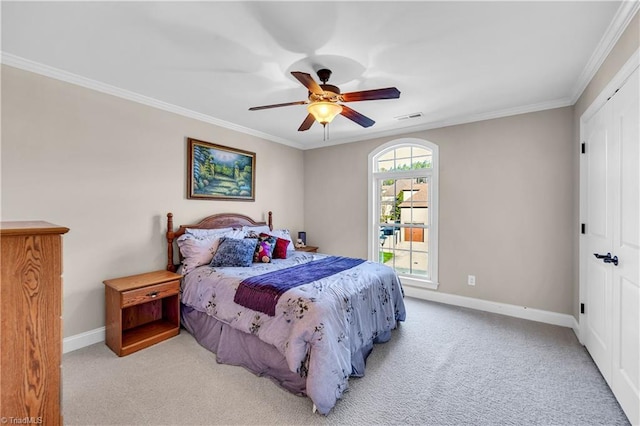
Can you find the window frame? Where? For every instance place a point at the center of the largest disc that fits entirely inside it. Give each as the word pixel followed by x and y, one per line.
pixel 374 206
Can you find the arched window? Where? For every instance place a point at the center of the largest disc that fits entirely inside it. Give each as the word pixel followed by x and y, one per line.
pixel 403 209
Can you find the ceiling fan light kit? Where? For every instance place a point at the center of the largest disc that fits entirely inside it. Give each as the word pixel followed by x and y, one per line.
pixel 323 100
pixel 324 112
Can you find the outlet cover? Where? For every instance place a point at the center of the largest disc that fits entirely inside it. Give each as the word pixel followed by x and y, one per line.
pixel 471 280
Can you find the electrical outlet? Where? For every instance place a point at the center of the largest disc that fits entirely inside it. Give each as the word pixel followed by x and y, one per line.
pixel 471 280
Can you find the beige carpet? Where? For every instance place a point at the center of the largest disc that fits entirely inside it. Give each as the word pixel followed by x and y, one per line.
pixel 444 366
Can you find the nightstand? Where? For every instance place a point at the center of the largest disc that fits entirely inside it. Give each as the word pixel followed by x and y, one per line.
pixel 310 249
pixel 141 310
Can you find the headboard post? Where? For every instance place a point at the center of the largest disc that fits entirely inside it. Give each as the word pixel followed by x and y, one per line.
pixel 270 220
pixel 170 266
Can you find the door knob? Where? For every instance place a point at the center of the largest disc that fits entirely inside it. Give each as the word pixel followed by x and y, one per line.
pixel 613 260
pixel 606 258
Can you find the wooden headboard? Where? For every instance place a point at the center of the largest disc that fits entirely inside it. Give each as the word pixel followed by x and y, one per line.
pixel 216 221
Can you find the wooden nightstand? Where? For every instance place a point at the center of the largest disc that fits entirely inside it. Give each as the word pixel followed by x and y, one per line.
pixel 310 249
pixel 141 310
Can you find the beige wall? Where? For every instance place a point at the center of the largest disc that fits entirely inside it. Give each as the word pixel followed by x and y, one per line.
pixel 110 170
pixel 510 222
pixel 506 213
pixel 627 45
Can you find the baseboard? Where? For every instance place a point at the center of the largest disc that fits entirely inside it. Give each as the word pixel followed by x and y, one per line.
pixel 81 340
pixel 91 337
pixel 523 312
pixel 576 330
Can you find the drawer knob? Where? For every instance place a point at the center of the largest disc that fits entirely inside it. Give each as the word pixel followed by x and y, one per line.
pixel 152 294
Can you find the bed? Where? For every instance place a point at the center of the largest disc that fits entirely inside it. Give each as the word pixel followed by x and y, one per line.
pixel 307 321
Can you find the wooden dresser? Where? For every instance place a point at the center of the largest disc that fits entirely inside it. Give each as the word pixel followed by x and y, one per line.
pixel 30 312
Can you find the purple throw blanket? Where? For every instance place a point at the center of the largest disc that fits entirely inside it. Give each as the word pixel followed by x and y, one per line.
pixel 262 292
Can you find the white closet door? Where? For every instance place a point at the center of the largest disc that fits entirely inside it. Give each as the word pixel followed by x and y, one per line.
pixel 598 239
pixel 611 212
pixel 625 369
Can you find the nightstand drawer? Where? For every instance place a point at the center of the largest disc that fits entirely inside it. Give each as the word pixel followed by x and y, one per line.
pixel 149 293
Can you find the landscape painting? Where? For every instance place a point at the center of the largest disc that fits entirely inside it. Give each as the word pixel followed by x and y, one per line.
pixel 218 172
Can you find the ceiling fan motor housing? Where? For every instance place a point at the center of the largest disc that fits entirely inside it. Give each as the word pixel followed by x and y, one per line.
pixel 324 74
pixel 330 93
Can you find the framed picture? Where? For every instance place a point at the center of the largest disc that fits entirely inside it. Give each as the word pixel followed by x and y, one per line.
pixel 217 172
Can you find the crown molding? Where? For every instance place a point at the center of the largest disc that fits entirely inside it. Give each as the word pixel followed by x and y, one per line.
pixel 612 87
pixel 618 25
pixel 464 119
pixel 58 74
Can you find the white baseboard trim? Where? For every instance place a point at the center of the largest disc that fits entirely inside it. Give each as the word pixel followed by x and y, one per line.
pixel 523 312
pixel 576 329
pixel 91 337
pixel 81 340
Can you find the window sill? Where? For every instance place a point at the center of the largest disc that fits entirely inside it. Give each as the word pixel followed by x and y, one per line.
pixel 419 283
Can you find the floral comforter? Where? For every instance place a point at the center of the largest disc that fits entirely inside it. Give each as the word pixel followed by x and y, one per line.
pixel 317 326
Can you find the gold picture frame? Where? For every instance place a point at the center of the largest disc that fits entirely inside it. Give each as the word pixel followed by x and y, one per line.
pixel 217 172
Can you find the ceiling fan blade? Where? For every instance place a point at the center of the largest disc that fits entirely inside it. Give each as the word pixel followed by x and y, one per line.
pixel 370 95
pixel 278 105
pixel 306 124
pixel 308 82
pixel 352 115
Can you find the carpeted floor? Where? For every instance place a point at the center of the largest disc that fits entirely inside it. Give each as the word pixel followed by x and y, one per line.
pixel 444 366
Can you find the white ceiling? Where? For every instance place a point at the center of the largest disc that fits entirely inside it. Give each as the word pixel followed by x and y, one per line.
pixel 453 62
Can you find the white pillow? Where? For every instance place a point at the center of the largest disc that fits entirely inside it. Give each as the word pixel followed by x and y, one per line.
pixel 236 234
pixel 283 233
pixel 195 251
pixel 257 229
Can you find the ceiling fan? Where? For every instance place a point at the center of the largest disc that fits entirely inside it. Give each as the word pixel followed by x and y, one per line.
pixel 324 101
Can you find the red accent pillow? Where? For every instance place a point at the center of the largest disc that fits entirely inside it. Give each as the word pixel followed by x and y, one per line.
pixel 279 251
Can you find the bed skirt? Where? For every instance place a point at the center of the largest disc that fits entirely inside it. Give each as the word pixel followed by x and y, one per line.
pixel 235 347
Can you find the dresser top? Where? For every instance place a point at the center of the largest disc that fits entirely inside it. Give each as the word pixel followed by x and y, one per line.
pixel 30 227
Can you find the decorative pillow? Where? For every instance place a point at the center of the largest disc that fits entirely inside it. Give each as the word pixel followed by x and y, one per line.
pixel 285 235
pixel 234 252
pixel 280 247
pixel 264 248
